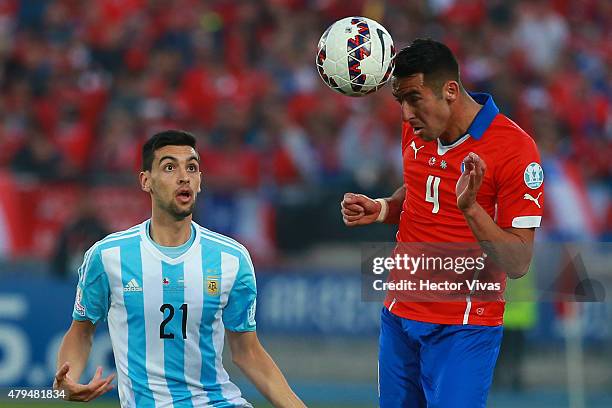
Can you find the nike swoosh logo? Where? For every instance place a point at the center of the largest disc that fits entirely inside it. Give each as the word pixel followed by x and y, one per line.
pixel 382 44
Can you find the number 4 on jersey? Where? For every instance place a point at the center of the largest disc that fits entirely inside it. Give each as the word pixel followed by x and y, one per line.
pixel 431 193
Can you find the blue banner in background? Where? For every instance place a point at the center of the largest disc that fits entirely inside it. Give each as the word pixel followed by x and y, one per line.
pixel 310 303
pixel 35 312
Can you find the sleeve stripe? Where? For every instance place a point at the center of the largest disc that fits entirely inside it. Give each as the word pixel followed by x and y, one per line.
pixel 531 221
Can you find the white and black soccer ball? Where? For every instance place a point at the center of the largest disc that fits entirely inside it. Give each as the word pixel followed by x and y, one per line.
pixel 355 56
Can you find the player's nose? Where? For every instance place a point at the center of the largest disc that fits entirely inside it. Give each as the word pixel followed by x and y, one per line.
pixel 407 112
pixel 182 176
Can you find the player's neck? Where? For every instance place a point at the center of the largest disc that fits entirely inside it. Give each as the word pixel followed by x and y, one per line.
pixel 167 231
pixel 465 112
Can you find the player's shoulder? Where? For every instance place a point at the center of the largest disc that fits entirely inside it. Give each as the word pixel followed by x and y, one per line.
pixel 219 242
pixel 508 134
pixel 118 238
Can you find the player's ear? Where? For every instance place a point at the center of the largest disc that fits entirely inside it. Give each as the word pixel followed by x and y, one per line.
pixel 451 91
pixel 145 181
pixel 200 183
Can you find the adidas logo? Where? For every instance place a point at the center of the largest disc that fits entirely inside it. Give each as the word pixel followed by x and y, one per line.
pixel 132 286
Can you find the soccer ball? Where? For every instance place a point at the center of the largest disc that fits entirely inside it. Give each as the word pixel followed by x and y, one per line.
pixel 355 56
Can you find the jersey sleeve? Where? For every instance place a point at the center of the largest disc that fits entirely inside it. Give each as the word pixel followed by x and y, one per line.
pixel 93 292
pixel 239 313
pixel 520 186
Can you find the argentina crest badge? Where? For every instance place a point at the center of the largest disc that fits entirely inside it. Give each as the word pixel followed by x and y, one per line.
pixel 212 285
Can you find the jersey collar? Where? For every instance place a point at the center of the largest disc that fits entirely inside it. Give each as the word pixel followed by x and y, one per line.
pixel 485 115
pixel 150 245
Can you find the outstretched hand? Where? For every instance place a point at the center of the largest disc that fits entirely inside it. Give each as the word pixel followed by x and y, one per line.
pixel 358 209
pixel 470 181
pixel 82 392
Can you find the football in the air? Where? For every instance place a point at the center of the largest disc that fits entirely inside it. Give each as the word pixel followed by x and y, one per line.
pixel 355 56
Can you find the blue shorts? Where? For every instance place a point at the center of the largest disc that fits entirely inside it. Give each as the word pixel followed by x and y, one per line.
pixel 433 365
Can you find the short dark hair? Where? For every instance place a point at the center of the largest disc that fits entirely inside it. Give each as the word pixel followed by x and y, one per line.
pixel 431 58
pixel 161 139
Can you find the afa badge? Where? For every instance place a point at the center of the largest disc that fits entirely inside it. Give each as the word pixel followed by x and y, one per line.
pixel 212 286
pixel 534 176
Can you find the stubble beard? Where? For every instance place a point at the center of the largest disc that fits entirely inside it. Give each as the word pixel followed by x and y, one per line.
pixel 180 214
pixel 175 211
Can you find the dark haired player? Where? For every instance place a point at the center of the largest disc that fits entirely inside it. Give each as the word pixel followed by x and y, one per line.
pixel 171 291
pixel 470 175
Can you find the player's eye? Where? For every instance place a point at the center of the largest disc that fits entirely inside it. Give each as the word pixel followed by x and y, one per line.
pixel 192 167
pixel 169 167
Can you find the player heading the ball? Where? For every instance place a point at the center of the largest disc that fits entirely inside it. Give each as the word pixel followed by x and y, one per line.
pixel 469 172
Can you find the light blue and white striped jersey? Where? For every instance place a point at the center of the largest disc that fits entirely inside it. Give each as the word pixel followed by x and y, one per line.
pixel 166 316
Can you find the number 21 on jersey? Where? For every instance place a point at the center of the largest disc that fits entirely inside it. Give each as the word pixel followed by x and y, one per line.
pixel 431 193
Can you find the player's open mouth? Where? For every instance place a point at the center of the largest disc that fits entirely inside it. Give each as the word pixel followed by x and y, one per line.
pixel 184 195
pixel 417 130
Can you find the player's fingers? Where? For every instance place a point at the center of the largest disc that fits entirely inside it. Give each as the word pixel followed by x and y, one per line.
pixel 102 388
pixel 363 199
pixel 479 172
pixel 355 208
pixel 472 182
pixel 479 164
pixel 108 388
pixel 349 222
pixel 61 373
pixel 351 218
pixel 98 374
pixel 357 199
pixel 346 220
pixel 482 167
pixel 94 394
pixel 472 158
pixel 346 204
pixel 110 378
pixel 352 223
pixel 349 198
pixel 349 213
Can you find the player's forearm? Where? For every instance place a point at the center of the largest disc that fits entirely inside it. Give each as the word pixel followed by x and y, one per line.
pixel 508 250
pixel 74 349
pixel 261 370
pixel 395 203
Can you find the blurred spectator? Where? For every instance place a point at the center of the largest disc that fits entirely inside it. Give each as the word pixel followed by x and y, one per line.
pixel 83 84
pixel 363 146
pixel 40 158
pixel 540 34
pixel 118 148
pixel 229 163
pixel 79 234
pixel 286 144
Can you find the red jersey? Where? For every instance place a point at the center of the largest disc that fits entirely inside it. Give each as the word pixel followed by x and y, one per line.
pixel 511 193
